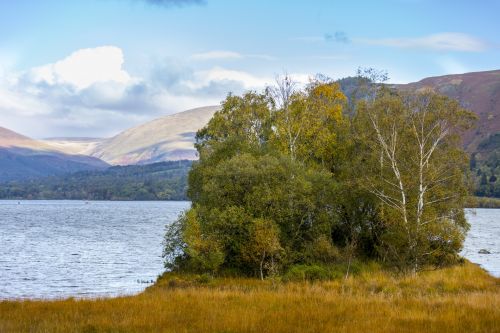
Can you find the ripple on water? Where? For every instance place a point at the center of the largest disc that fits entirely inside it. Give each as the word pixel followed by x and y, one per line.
pixel 56 249
pixel 484 234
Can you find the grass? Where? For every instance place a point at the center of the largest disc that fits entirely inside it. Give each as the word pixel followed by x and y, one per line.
pixel 482 202
pixel 457 299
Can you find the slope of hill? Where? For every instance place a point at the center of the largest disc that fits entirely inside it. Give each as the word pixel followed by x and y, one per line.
pixel 159 181
pixel 25 158
pixel 167 138
pixel 10 140
pixel 79 146
pixel 478 92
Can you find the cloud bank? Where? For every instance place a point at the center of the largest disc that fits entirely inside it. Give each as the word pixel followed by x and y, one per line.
pixel 227 55
pixel 89 93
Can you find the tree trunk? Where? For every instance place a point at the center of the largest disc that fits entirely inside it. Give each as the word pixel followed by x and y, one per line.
pixel 262 266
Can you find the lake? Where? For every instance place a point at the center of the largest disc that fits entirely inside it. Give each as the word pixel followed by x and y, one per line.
pixel 56 249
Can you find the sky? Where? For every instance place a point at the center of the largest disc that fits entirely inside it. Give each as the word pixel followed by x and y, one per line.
pixel 92 68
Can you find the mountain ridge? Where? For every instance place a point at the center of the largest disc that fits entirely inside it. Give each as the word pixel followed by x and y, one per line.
pixel 24 158
pixel 163 139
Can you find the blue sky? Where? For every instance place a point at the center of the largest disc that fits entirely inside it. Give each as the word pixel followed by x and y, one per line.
pixel 95 67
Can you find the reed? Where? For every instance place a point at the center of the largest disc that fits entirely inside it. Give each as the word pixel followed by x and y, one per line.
pixel 457 299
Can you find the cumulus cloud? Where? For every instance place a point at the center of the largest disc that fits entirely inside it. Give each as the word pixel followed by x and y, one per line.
pixel 89 93
pixel 83 68
pixel 447 41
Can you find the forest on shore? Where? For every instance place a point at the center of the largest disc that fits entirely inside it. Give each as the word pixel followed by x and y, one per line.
pixel 158 181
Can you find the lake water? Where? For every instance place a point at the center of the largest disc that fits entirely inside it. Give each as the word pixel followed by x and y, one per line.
pixel 56 249
pixel 484 234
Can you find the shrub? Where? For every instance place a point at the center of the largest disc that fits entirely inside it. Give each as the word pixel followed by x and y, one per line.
pixel 307 273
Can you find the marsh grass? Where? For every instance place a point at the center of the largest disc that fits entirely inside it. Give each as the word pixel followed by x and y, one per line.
pixel 457 299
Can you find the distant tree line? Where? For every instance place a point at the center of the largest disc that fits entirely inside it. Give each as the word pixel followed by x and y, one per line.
pixel 485 167
pixel 159 181
pixel 299 180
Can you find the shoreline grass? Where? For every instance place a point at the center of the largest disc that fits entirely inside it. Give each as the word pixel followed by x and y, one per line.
pixel 457 299
pixel 482 202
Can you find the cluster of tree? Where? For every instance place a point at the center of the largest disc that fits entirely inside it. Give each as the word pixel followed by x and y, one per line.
pixel 292 177
pixel 485 167
pixel 159 181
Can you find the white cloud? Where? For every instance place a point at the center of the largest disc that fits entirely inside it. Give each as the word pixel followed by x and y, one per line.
pixel 446 41
pixel 227 55
pixel 89 93
pixel 84 67
pixel 218 74
pixel 211 55
pixel 12 102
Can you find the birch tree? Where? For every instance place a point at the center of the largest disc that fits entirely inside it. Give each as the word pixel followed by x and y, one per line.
pixel 416 169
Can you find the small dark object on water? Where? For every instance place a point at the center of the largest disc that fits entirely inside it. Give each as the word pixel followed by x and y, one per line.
pixel 484 251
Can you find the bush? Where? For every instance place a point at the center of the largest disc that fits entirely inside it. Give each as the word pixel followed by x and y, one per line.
pixel 307 273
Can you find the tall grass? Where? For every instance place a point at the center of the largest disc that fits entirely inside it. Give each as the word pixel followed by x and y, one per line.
pixel 482 202
pixel 458 299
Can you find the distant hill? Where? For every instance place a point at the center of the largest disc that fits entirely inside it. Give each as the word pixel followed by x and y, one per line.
pixel 79 146
pixel 24 158
pixel 478 92
pixel 164 139
pixel 159 181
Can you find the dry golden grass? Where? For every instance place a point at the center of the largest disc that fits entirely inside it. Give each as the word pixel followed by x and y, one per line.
pixel 458 299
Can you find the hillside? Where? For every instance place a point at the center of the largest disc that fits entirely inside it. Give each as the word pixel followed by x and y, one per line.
pixel 12 140
pixel 80 146
pixel 167 138
pixel 478 92
pixel 159 181
pixel 24 158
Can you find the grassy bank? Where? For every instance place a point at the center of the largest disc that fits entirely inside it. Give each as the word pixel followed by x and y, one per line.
pixel 482 202
pixel 457 299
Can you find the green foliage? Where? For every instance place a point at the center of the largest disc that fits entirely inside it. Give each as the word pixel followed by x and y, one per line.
pixel 307 273
pixel 159 181
pixel 300 183
pixel 415 166
pixel 485 167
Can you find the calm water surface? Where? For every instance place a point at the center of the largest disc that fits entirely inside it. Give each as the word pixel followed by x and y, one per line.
pixel 56 249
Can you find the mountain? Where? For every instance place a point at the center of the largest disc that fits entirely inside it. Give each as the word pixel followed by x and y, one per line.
pixel 24 158
pixel 478 92
pixel 11 140
pixel 164 139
